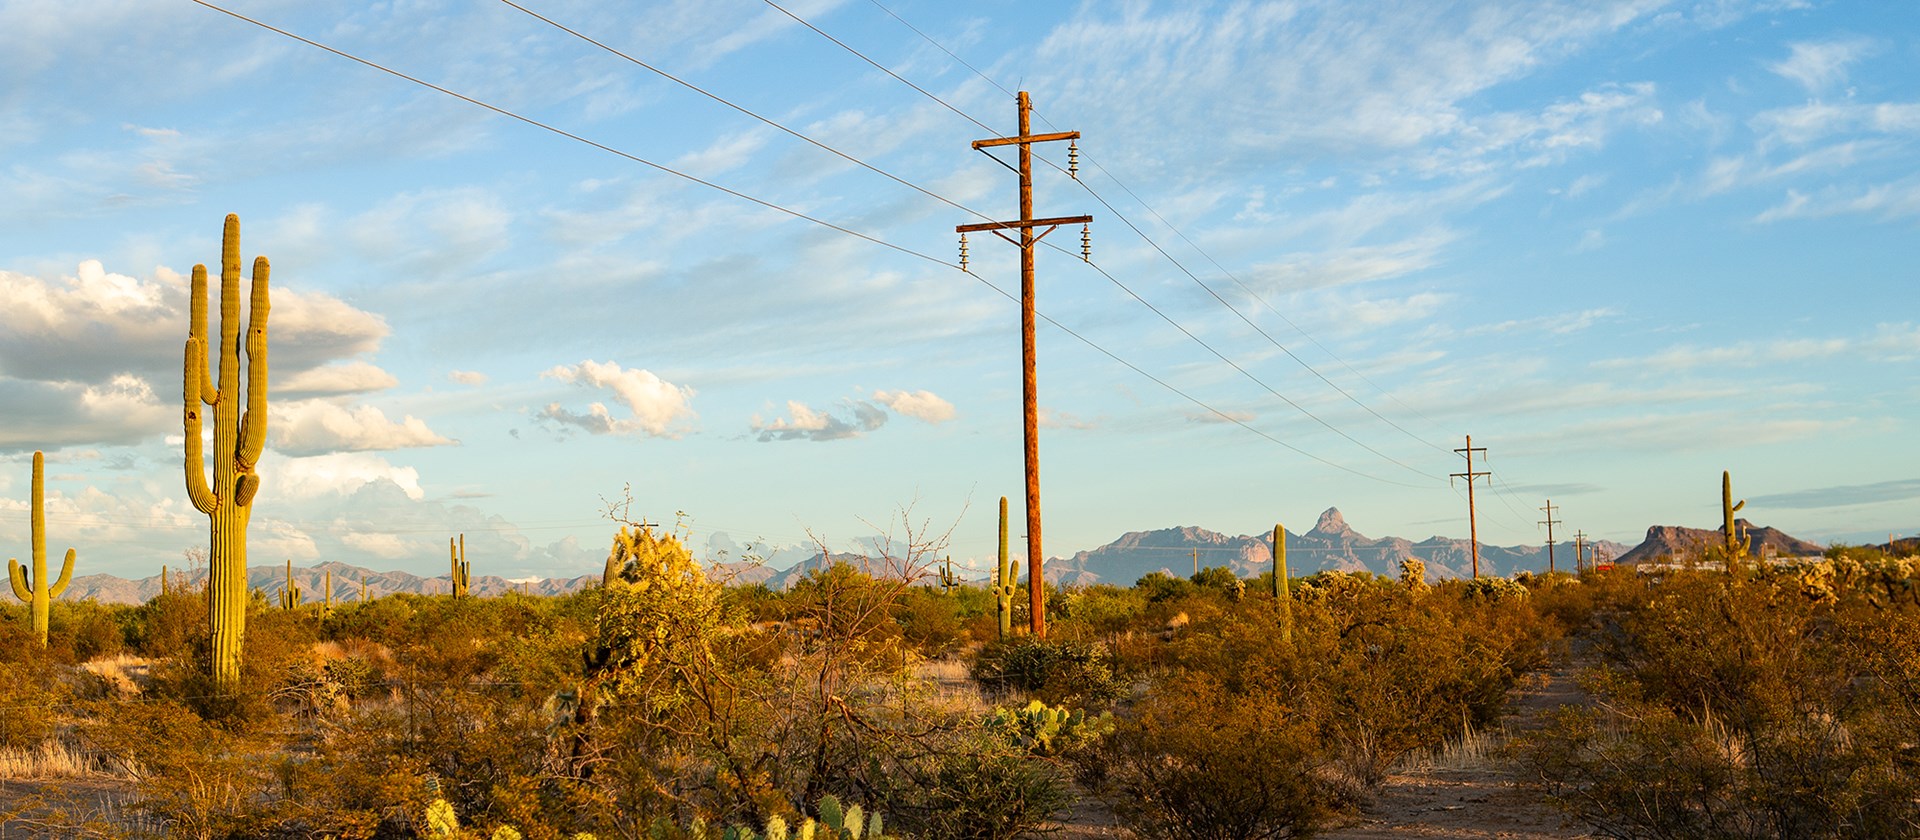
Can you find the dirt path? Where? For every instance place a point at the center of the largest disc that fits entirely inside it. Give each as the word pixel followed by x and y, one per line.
pixel 1473 796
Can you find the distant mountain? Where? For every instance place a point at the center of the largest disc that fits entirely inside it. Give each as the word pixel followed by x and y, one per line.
pixel 1331 544
pixel 109 589
pixel 1672 542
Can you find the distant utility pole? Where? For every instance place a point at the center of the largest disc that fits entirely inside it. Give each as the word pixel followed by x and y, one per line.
pixel 1579 552
pixel 1473 526
pixel 1036 590
pixel 1549 522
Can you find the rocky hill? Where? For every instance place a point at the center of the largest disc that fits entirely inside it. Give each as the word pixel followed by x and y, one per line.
pixel 1673 542
pixel 1331 544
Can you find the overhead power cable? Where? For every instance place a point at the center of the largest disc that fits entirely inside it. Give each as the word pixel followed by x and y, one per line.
pixel 1116 281
pixel 791 212
pixel 1170 258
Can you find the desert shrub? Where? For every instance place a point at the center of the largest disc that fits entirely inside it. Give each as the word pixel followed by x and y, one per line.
pixel 168 625
pixel 29 690
pixel 1160 586
pixel 1199 761
pixel 930 620
pixel 1738 706
pixel 1100 610
pixel 82 631
pixel 984 789
pixel 1056 671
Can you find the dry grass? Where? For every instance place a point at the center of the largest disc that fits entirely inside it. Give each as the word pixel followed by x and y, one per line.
pixel 128 675
pixel 1474 750
pixel 53 759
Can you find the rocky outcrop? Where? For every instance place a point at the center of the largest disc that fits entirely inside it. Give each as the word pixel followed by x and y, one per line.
pixel 1674 543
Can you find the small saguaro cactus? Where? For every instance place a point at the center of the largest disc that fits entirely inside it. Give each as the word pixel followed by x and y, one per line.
pixel 947 579
pixel 1282 589
pixel 1004 584
pixel 363 588
pixel 237 441
pixel 1737 544
pixel 35 591
pixel 163 580
pixel 290 594
pixel 459 559
pixel 327 591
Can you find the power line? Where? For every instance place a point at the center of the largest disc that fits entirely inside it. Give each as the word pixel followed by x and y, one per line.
pixel 772 206
pixel 1143 301
pixel 1170 258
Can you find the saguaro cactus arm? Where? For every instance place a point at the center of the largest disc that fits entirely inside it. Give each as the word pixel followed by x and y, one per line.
pixel 18 574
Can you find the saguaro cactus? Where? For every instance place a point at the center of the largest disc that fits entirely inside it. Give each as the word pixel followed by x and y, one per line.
pixel 1737 544
pixel 290 594
pixel 1004 584
pixel 327 593
pixel 459 559
pixel 237 441
pixel 1282 588
pixel 35 592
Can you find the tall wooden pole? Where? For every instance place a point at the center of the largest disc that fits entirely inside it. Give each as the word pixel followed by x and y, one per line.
pixel 1030 387
pixel 1473 525
pixel 1549 522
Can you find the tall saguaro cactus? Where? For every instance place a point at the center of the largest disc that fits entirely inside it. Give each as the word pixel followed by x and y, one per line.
pixel 458 557
pixel 1737 544
pixel 1003 582
pixel 1282 588
pixel 290 595
pixel 36 592
pixel 238 439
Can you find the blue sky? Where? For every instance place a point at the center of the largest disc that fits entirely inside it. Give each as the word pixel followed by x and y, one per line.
pixel 1625 245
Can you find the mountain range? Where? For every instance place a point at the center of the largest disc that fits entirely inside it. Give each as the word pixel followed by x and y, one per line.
pixel 1330 544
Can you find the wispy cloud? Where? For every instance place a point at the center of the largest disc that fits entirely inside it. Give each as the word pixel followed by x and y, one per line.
pixel 1821 65
pixel 1844 495
pixel 920 405
pixel 317 427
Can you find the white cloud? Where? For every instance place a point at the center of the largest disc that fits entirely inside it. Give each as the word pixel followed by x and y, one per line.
pixel 1888 201
pixel 657 407
pixel 336 474
pixel 314 427
pixel 1820 65
pixel 467 377
pixel 808 424
pixel 355 377
pixel 1890 342
pixel 1050 418
pixel 1557 324
pixel 920 405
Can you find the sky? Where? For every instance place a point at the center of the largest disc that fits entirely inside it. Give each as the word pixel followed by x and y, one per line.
pixel 1624 245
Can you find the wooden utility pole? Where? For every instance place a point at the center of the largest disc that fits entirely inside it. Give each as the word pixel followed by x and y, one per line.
pixel 1579 552
pixel 1473 526
pixel 1549 522
pixel 1036 589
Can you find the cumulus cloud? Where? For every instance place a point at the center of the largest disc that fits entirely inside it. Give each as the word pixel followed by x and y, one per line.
pixel 123 409
pixel 804 423
pixel 920 405
pixel 336 474
pixel 79 355
pixel 656 407
pixel 314 427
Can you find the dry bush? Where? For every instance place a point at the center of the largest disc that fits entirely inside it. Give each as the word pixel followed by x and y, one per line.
pixel 1740 707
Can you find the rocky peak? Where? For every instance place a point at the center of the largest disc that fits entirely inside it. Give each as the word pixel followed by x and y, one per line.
pixel 1331 523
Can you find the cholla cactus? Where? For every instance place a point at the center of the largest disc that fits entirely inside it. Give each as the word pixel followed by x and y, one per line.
pixel 1496 589
pixel 1333 585
pixel 1816 581
pixel 1413 575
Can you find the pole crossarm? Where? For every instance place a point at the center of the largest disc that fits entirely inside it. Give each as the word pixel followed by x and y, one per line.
pixel 1018 224
pixel 1027 138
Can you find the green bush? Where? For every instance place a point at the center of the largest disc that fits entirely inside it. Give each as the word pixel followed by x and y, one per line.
pixel 1057 671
